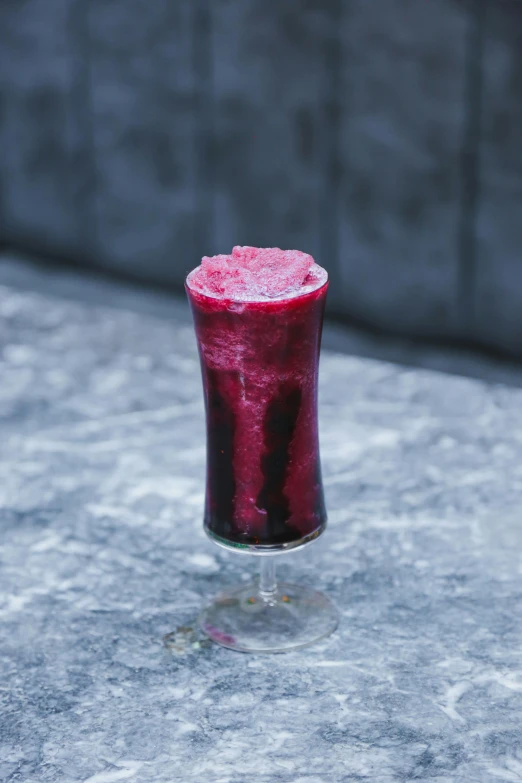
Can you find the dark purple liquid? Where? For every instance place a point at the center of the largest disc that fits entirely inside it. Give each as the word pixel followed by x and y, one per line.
pixel 259 363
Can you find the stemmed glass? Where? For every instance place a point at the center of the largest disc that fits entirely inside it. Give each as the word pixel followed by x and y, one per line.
pixel 264 492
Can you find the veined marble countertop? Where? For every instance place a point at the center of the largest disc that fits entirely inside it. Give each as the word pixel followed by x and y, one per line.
pixel 103 554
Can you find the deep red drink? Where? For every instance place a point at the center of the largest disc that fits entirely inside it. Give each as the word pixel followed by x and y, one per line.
pixel 258 317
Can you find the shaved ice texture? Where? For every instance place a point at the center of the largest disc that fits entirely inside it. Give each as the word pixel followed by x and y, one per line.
pixel 252 274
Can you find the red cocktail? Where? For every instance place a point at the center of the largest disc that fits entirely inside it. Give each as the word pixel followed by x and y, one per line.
pixel 258 317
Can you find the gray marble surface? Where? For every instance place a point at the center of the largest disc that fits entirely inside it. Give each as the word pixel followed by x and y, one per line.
pixel 103 554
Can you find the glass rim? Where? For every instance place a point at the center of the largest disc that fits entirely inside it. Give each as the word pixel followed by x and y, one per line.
pixel 268 301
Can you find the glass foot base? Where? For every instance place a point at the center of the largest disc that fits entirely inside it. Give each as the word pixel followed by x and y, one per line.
pixel 250 621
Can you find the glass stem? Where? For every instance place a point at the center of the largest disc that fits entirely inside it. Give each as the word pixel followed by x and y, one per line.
pixel 267 578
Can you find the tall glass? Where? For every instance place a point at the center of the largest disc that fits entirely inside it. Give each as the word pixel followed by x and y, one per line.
pixel 264 492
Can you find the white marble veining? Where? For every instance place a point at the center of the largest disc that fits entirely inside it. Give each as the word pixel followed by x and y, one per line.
pixel 103 555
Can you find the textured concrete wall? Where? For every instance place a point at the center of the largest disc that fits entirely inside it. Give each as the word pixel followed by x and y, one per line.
pixel 403 117
pixel 269 85
pixel 42 140
pixel 498 304
pixel 144 115
pixel 383 137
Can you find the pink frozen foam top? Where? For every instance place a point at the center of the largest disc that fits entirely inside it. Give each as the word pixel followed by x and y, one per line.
pixel 257 274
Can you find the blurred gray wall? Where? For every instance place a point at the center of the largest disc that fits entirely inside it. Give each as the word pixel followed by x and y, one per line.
pixel 382 136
